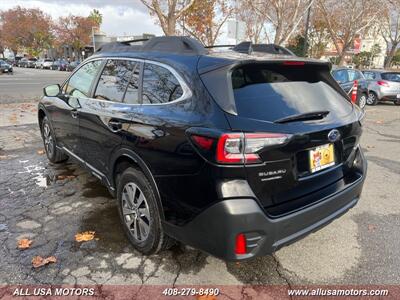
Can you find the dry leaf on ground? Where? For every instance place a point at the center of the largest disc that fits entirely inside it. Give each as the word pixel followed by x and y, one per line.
pixel 24 244
pixel 62 177
pixel 39 261
pixel 85 236
pixel 3 157
pixel 371 227
pixel 40 152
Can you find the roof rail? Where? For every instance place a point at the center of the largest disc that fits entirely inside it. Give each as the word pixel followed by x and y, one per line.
pixel 248 47
pixel 174 44
pixel 187 45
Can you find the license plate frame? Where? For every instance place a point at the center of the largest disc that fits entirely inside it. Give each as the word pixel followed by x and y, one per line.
pixel 321 157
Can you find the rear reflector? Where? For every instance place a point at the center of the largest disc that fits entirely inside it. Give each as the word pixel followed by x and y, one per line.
pixel 241 244
pixel 203 142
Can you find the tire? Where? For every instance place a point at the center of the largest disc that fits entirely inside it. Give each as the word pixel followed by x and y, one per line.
pixel 397 102
pixel 139 213
pixel 362 101
pixel 372 99
pixel 54 154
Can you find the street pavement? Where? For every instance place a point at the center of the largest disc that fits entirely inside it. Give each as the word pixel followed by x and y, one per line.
pixel 50 203
pixel 27 84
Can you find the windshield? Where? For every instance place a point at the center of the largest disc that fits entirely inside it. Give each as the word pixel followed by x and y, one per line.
pixel 274 92
pixel 393 76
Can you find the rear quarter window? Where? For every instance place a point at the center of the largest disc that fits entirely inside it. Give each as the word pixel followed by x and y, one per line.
pixel 392 76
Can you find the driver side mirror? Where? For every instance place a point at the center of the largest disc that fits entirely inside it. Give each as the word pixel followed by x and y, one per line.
pixel 52 90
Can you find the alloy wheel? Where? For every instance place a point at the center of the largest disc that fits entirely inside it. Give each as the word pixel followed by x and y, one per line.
pixel 362 101
pixel 135 210
pixel 371 98
pixel 48 139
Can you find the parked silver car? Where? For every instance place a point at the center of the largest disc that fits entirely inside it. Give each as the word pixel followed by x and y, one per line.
pixel 383 85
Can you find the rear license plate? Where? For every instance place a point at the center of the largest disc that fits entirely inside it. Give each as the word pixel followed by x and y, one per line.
pixel 321 157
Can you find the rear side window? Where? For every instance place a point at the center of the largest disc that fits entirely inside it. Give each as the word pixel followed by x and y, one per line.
pixel 392 76
pixel 114 81
pixel 340 75
pixel 159 85
pixel 271 92
pixel 355 75
pixel 369 75
pixel 80 82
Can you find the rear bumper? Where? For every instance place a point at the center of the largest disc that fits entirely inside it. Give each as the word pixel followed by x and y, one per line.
pixel 215 229
pixel 387 94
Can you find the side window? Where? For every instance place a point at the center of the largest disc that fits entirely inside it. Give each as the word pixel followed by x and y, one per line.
pixel 159 85
pixel 354 75
pixel 114 80
pixel 340 75
pixel 79 84
pixel 131 94
pixel 369 75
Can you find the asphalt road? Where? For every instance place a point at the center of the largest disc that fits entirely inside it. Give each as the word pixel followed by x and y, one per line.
pixel 51 203
pixel 27 84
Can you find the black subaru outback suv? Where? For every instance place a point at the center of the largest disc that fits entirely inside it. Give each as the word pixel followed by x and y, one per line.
pixel 237 152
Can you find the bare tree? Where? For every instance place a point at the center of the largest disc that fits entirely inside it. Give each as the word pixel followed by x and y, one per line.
pixel 345 20
pixel 168 12
pixel 284 15
pixel 391 28
pixel 205 18
pixel 254 19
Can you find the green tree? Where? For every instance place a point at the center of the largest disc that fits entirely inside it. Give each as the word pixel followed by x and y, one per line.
pixel 296 45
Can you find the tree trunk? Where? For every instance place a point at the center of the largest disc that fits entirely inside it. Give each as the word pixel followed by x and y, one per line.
pixel 391 55
pixel 342 58
pixel 171 25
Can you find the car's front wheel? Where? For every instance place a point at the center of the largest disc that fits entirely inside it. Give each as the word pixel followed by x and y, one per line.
pixel 54 154
pixel 139 212
pixel 372 99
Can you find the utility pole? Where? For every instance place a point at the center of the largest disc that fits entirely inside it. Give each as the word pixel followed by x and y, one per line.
pixel 305 50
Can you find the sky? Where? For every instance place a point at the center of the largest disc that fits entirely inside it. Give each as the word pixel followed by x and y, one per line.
pixel 120 17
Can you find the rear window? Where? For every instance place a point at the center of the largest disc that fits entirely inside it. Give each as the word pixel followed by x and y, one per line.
pixel 271 92
pixel 392 76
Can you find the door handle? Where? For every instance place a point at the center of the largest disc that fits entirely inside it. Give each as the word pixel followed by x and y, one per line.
pixel 74 113
pixel 114 125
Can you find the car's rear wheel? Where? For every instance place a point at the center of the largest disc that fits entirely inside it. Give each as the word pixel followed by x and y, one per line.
pixel 54 154
pixel 397 102
pixel 372 99
pixel 139 212
pixel 362 101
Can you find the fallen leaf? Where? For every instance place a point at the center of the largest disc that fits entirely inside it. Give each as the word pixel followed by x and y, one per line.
pixel 62 177
pixel 379 122
pixel 85 236
pixel 17 138
pixel 39 261
pixel 24 244
pixel 206 297
pixel 3 157
pixel 371 227
pixel 40 152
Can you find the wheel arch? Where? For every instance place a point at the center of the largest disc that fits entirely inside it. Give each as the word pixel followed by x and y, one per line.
pixel 130 158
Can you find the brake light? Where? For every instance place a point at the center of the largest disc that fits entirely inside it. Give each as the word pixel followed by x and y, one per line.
pixel 293 63
pixel 383 83
pixel 240 244
pixel 236 148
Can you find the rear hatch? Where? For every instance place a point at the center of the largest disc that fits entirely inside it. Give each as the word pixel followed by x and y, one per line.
pixel 301 102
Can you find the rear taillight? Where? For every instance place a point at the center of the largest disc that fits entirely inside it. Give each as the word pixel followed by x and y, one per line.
pixel 238 148
pixel 383 83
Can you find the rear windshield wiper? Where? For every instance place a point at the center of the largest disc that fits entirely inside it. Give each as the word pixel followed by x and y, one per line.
pixel 314 115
